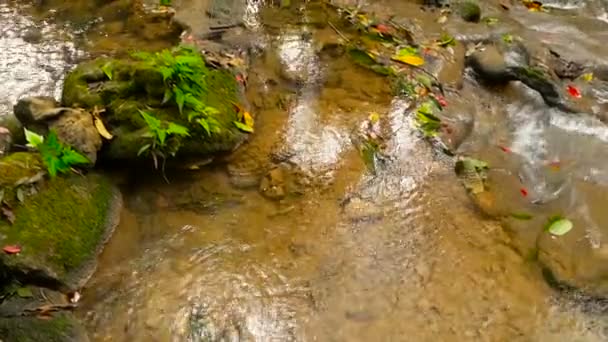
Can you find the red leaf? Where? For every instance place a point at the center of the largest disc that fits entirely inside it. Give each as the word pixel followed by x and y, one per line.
pixel 441 100
pixel 11 249
pixel 383 28
pixel 524 192
pixel 504 149
pixel 240 79
pixel 574 92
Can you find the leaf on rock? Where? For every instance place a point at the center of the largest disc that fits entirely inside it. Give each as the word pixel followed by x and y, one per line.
pixel 24 292
pixel 12 249
pixel 101 129
pixel 574 92
pixel 587 77
pixel 407 57
pixel 534 6
pixel 243 127
pixel 446 40
pixel 558 226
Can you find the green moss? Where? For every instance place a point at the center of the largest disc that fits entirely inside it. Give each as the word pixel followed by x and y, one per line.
pixel 61 328
pixel 17 166
pixel 61 227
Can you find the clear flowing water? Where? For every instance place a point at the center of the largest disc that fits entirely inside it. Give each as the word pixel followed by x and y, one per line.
pixel 402 254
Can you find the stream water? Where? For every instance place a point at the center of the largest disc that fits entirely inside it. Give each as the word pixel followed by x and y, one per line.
pixel 400 254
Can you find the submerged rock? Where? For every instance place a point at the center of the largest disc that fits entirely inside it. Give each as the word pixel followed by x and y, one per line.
pixel 60 224
pixel 469 11
pixel 59 328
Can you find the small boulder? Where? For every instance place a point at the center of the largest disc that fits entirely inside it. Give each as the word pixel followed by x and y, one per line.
pixel 469 11
pixel 75 127
pixel 35 109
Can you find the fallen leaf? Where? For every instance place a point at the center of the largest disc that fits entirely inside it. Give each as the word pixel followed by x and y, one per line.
pixel 101 128
pixel 574 92
pixel 8 214
pixel 521 216
pixel 243 127
pixel 442 101
pixel 20 194
pixel 555 165
pixel 524 192
pixel 382 28
pixel 407 57
pixel 24 292
pixel 587 77
pixel 12 249
pixel 534 6
pixel 504 149
pixel 559 226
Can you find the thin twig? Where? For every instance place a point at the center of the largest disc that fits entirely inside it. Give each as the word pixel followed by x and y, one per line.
pixel 338 32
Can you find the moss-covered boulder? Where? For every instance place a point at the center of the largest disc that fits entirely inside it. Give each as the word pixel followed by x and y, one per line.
pixel 126 87
pixel 59 328
pixel 469 11
pixel 60 224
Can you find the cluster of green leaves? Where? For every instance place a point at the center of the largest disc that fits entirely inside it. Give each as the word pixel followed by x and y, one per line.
pixel 161 134
pixel 57 156
pixel 184 71
pixel 165 2
pixel 428 123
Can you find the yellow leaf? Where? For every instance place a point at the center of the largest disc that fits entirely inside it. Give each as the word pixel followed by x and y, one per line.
pixel 534 6
pixel 101 128
pixel 374 117
pixel 409 59
pixel 247 119
pixel 588 77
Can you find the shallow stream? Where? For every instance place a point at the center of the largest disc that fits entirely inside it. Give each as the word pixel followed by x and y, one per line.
pixel 399 254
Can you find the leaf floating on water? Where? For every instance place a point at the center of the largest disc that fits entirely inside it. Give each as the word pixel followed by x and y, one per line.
pixel 534 6
pixel 574 92
pixel 521 216
pixel 101 129
pixel 524 192
pixel 11 249
pixel 446 40
pixel 559 226
pixel 505 149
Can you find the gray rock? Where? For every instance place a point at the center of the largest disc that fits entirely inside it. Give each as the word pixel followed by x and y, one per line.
pixel 35 109
pixel 75 127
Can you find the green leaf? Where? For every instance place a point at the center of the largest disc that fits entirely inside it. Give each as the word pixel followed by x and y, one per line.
pixel 71 157
pixel 446 40
pixel 33 139
pixel 559 226
pixel 507 38
pixel 177 129
pixel 243 127
pixel 20 195
pixel 107 70
pixel 24 292
pixel 167 96
pixel 179 98
pixel 152 122
pixel 143 149
pixel 205 125
pixel 162 136
pixel 521 216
